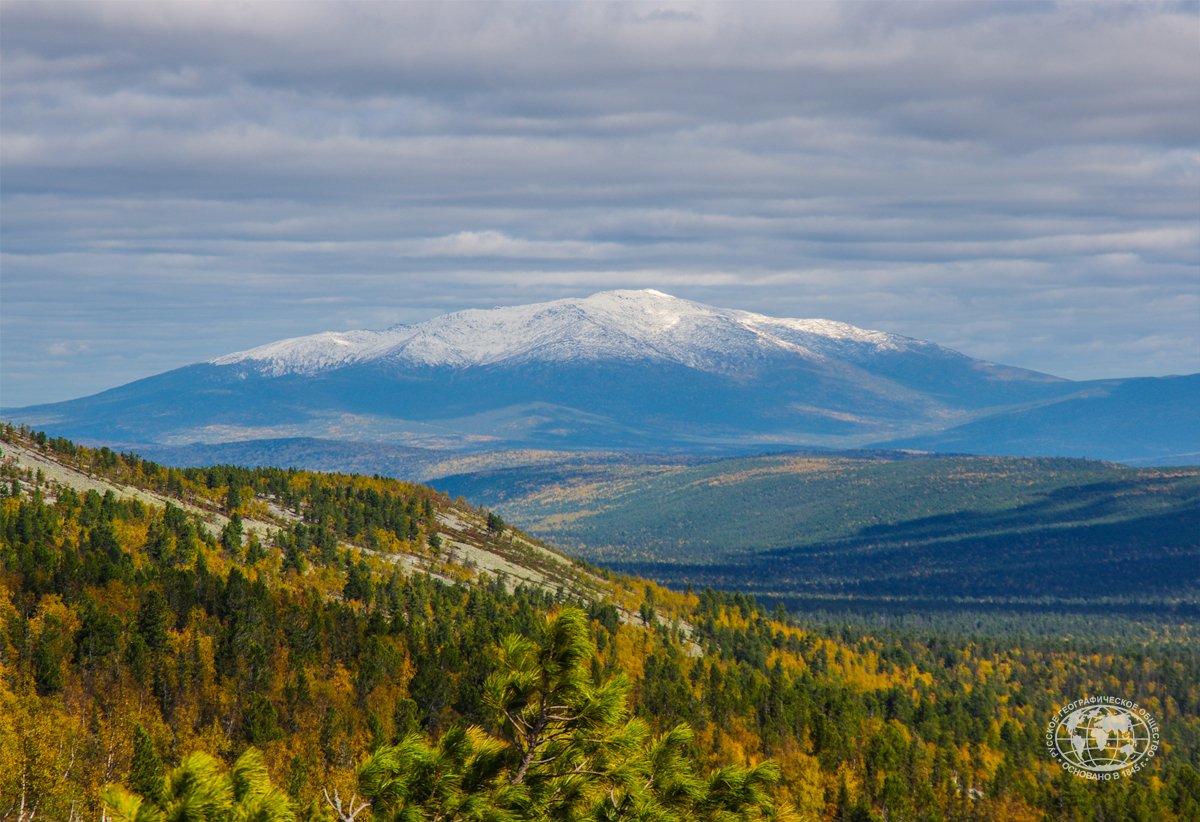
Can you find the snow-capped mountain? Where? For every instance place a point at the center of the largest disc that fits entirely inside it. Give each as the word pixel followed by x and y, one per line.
pixel 632 370
pixel 611 325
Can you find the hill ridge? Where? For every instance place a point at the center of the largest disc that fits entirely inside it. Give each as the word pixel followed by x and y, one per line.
pixel 461 530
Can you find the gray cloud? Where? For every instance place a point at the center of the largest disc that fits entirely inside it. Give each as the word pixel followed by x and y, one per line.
pixel 179 180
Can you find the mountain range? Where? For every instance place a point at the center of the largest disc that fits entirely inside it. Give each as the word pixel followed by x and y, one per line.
pixel 631 371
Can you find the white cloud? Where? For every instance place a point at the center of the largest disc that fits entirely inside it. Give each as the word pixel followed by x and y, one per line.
pixel 930 168
pixel 66 348
pixel 498 244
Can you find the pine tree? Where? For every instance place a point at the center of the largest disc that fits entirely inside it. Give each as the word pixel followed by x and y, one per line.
pixel 201 790
pixel 495 525
pixel 233 499
pixel 47 665
pixel 231 536
pixel 146 773
pixel 254 549
pixel 567 750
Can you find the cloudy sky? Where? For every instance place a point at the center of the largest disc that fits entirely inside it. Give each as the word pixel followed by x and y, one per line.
pixel 178 181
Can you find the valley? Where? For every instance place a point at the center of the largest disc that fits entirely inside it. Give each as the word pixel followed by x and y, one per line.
pixel 883 530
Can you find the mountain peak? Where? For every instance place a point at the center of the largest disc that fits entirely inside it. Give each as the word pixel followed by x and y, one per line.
pixel 633 293
pixel 619 368
pixel 624 325
pixel 630 296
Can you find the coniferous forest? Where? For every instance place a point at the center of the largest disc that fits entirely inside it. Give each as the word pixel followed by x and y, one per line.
pixel 266 644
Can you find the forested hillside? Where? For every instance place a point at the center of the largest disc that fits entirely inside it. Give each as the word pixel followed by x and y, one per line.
pixel 276 644
pixel 883 529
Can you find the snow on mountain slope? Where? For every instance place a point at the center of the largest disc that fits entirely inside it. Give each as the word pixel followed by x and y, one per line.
pixel 628 369
pixel 308 355
pixel 620 325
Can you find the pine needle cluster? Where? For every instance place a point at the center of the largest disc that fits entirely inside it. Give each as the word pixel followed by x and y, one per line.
pixel 565 747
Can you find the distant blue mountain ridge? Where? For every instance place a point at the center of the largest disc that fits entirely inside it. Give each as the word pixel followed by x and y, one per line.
pixel 634 371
